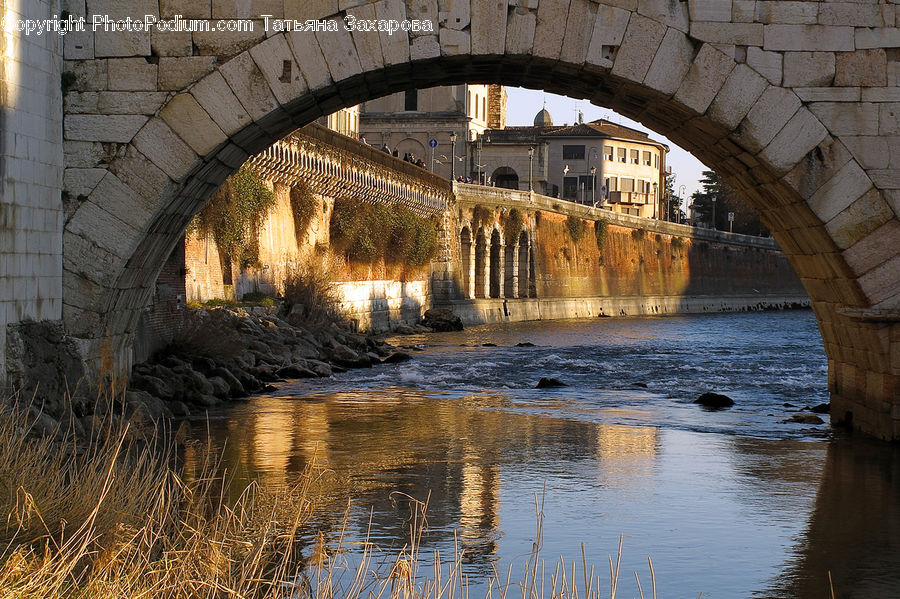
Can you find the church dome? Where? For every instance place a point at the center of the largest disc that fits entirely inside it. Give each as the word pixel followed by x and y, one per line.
pixel 543 119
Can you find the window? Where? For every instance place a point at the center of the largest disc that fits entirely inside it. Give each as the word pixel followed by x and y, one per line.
pixel 469 107
pixel 626 184
pixel 635 157
pixel 612 184
pixel 646 158
pixel 484 109
pixel 656 161
pixel 573 152
pixel 608 153
pixel 411 101
pixel 623 153
pixel 570 188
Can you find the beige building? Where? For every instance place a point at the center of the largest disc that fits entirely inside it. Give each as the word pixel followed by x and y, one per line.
pixel 345 121
pixel 406 122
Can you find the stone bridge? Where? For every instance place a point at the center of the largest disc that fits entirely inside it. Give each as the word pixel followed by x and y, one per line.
pixel 795 104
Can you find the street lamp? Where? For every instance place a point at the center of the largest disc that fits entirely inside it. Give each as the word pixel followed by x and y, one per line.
pixel 593 186
pixel 682 189
pixel 714 214
pixel 655 201
pixel 531 169
pixel 453 156
pixel 478 146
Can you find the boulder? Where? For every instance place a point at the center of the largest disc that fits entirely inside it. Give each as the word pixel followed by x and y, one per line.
pixel 804 419
pixel 145 410
pixel 235 387
pixel 397 357
pixel 442 320
pixel 714 400
pixel 319 367
pixel 296 371
pixel 343 355
pixel 822 408
pixel 221 388
pixel 525 344
pixel 549 382
pixel 152 385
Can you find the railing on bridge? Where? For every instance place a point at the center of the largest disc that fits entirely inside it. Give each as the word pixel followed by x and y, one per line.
pixel 475 194
pixel 338 166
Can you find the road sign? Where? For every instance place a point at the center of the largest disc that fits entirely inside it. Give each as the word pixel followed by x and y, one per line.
pixel 731 217
pixel 432 142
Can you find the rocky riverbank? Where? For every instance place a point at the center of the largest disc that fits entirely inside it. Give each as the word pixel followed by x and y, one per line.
pixel 224 354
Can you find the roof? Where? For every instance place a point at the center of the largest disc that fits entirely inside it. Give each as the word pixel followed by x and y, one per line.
pixel 543 119
pixel 601 128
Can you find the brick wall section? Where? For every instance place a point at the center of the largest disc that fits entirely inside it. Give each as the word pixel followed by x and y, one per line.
pixel 31 172
pixel 161 319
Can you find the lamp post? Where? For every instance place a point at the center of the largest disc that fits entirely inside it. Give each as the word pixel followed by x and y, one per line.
pixel 655 201
pixel 593 186
pixel 681 191
pixel 478 146
pixel 714 214
pixel 531 169
pixel 453 156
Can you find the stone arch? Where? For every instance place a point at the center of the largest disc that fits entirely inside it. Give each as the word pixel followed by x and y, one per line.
pixel 412 146
pixel 496 263
pixel 505 177
pixel 795 154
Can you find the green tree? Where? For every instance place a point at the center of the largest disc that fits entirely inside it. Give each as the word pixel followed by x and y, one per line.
pixel 716 200
pixel 671 202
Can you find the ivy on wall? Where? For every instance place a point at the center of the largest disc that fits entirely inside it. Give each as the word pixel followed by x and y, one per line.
pixel 234 214
pixel 367 232
pixel 303 206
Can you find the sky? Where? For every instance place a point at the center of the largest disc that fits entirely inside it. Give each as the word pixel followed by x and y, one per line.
pixel 524 104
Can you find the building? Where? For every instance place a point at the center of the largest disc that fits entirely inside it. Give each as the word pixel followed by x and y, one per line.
pixel 453 116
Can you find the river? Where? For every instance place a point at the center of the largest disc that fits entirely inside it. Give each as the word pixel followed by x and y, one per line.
pixel 733 503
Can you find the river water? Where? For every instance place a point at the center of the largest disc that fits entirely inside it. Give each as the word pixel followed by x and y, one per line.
pixel 733 503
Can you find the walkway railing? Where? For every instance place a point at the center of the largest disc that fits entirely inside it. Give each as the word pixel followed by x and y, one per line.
pixel 338 166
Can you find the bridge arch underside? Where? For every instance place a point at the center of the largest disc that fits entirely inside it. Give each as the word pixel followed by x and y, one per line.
pixel 835 225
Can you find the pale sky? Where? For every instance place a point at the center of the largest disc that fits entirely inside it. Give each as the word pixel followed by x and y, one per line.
pixel 524 104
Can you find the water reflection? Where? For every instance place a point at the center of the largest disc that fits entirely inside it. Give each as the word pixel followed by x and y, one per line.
pixel 719 512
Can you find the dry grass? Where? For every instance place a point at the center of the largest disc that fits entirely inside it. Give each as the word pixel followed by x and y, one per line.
pixel 115 521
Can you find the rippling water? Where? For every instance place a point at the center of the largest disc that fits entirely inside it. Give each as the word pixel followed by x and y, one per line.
pixel 734 503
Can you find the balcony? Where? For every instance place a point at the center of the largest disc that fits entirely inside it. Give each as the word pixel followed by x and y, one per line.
pixel 628 197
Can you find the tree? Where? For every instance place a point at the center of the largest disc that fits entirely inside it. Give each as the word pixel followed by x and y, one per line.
pixel 718 199
pixel 672 202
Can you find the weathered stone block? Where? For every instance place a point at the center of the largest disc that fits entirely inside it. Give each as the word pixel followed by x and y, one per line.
pixel 738 94
pixel 454 42
pixel 246 9
pixel 103 229
pixel 859 219
pixel 870 151
pixel 768 116
pixel 82 181
pixel 671 14
pixel 808 69
pixel 488 31
pixel 424 47
pixel 119 128
pixel 671 63
pixel 879 37
pixel 189 9
pixel 869 252
pixel 309 58
pixel 141 175
pixel 880 283
pixel 801 134
pixel 809 38
pixel 78 45
pixel 276 62
pixel 83 154
pixel 742 34
pixel 214 95
pixel 863 67
pixel 642 39
pixel 787 12
pixel 165 149
pixel 828 94
pixel 767 64
pixel 131 74
pixel 550 29
pixel 90 75
pixel 704 79
pixel 710 10
pixel 192 124
pixel 520 28
pixel 847 118
pixel 889 118
pixel 848 183
pixel 249 85
pixel 178 73
pixel 228 43
pixel 857 14
pixel 579 28
pixel 395 48
pixel 340 53
pixel 81 102
pixel 171 43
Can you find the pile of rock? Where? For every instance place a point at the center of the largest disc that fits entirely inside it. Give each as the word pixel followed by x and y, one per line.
pixel 259 348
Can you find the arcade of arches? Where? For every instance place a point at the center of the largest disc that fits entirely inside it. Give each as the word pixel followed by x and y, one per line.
pixel 798 112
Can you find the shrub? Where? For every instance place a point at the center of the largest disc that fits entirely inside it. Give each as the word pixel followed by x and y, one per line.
pixel 367 232
pixel 303 207
pixel 601 229
pixel 512 225
pixel 309 297
pixel 576 227
pixel 637 234
pixel 234 215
